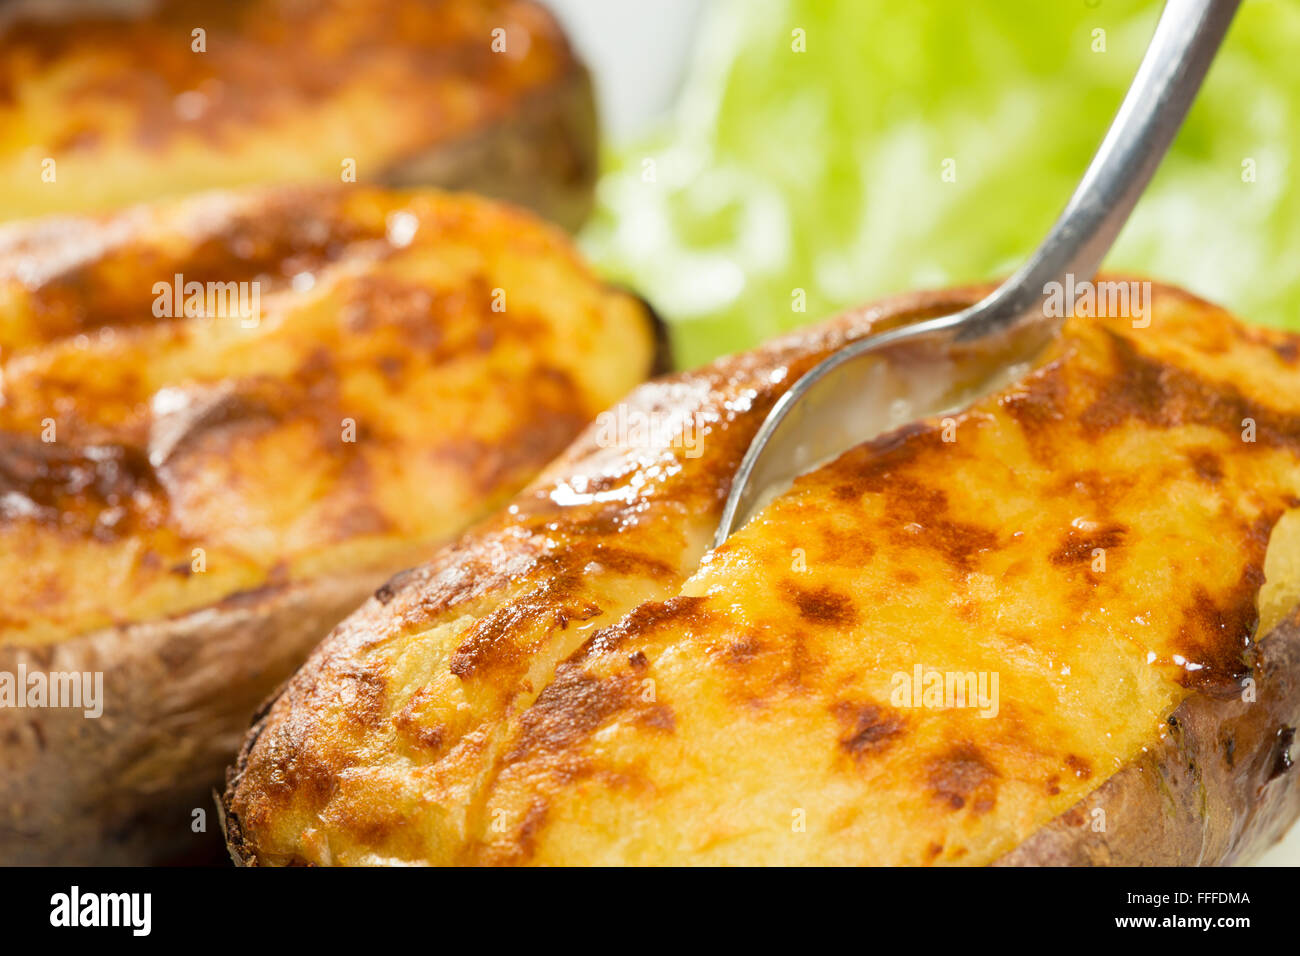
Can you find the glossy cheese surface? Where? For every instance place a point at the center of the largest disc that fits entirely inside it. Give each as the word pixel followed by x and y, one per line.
pixel 365 373
pixel 107 103
pixel 579 682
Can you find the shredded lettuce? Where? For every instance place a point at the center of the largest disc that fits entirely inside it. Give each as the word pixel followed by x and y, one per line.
pixel 816 179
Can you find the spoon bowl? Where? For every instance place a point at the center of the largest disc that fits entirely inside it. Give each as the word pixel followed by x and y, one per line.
pixel 885 381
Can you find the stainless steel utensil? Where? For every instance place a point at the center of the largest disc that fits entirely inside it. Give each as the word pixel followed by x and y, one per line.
pixel 886 380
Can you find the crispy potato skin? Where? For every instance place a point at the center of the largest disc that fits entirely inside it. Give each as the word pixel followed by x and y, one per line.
pixel 115 94
pixel 1217 790
pixel 569 684
pixel 189 503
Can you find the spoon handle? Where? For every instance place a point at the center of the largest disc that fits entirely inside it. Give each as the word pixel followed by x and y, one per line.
pixel 988 342
pixel 1184 44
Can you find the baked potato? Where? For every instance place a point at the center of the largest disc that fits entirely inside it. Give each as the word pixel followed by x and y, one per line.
pixel 191 497
pixel 1058 627
pixel 109 102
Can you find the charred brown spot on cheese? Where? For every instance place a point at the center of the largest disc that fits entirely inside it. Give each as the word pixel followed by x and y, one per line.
pixel 870 468
pixel 600 521
pixel 834 547
pixel 105 490
pixel 882 467
pixel 970 564
pixel 1216 633
pixel 658 717
pixel 491 645
pixel 571 707
pixel 410 724
pixel 601 556
pixel 364 691
pixel 1078 546
pixel 962 776
pixel 270 247
pixel 1038 406
pixel 925 523
pixel 760 672
pixel 1163 395
pixel 162 449
pixel 1078 766
pixel 822 606
pixel 1208 465
pixel 459 583
pixel 294 770
pixel 530 828
pixel 867 727
pixel 647 619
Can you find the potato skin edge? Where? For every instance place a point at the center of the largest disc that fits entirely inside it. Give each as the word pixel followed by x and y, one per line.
pixel 178 693
pixel 1160 810
pixel 120 790
pixel 1217 789
pixel 542 154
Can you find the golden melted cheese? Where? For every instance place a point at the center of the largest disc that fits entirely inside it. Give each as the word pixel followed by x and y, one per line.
pixel 572 685
pixel 415 360
pixel 103 104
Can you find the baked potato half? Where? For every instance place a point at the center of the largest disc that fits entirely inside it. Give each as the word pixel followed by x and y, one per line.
pixel 193 492
pixel 109 102
pixel 1058 627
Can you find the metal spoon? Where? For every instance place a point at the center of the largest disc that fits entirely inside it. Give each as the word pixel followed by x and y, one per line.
pixel 884 381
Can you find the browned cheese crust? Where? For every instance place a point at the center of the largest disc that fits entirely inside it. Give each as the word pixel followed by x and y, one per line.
pixel 188 502
pixel 577 681
pixel 476 94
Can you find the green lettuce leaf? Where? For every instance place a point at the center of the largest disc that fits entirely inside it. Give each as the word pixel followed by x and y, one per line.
pixel 815 179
